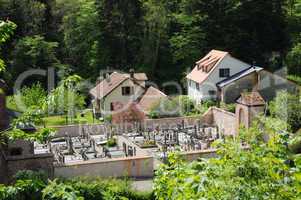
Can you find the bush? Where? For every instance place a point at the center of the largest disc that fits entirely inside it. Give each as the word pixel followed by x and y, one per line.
pixel 205 105
pixel 175 107
pixel 31 175
pixel 294 78
pixel 287 107
pixel 60 191
pixel 112 142
pixel 74 189
pixel 29 96
pixel 228 107
pixel 293 60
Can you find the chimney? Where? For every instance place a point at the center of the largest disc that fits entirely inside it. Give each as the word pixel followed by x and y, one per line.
pixel 108 77
pixel 253 64
pixel 132 72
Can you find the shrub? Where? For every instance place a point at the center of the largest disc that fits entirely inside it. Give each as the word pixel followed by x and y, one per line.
pixel 228 107
pixel 287 107
pixel 60 191
pixel 205 105
pixel 112 142
pixel 70 189
pixel 294 78
pixel 34 95
pixel 175 107
pixel 31 175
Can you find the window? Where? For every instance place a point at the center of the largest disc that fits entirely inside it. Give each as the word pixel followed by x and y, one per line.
pixel 212 92
pixel 224 73
pixel 127 91
pixel 197 86
pixel 112 106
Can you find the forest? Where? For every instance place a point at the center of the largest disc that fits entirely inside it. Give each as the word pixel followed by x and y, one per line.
pixel 163 38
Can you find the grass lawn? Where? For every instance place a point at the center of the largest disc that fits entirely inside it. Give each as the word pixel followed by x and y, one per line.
pixel 60 120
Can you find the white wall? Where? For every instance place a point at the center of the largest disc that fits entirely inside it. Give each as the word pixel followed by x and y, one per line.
pixel 233 64
pixel 116 95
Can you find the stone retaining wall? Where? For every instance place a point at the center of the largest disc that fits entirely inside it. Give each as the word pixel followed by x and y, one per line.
pixel 134 167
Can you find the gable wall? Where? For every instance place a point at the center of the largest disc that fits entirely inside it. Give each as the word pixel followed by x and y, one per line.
pixel 233 64
pixel 232 92
pixel 268 86
pixel 116 95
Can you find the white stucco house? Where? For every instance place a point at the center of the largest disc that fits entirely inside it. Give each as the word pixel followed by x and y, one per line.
pixel 117 91
pixel 210 70
pixel 117 88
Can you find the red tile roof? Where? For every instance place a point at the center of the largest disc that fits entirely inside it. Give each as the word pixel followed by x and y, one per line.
pixel 105 87
pixel 130 114
pixel 206 65
pixel 251 99
pixel 151 96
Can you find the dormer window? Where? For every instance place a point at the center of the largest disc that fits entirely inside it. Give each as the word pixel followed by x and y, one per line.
pixel 127 91
pixel 224 72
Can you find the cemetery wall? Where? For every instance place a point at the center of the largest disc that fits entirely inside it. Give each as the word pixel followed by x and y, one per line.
pixel 194 155
pixel 41 162
pixel 135 167
pixel 224 120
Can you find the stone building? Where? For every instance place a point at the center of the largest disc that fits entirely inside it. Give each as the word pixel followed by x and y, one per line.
pixel 248 107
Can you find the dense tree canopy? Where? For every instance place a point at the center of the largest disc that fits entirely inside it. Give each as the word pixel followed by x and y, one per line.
pixel 161 38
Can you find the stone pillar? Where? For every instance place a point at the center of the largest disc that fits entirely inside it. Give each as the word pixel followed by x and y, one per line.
pixel 248 107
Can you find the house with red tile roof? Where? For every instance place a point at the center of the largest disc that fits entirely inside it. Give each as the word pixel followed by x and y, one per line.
pixel 118 92
pixel 117 88
pixel 215 67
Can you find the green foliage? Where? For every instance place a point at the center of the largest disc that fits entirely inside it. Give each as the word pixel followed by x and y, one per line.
pixel 293 60
pixel 59 120
pixel 41 135
pixel 295 79
pixel 34 52
pixel 33 115
pixel 31 175
pixel 205 105
pixel 6 30
pixel 28 185
pixel 175 107
pixel 80 35
pixel 287 107
pixel 60 191
pixel 108 118
pixel 121 29
pixel 29 15
pixel 66 99
pixel 259 172
pixel 75 189
pixel 28 97
pixel 228 107
pixel 112 142
pixel 161 38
